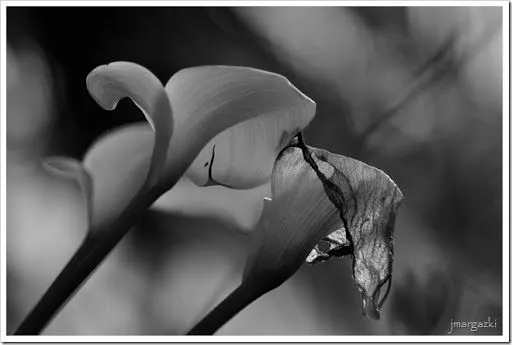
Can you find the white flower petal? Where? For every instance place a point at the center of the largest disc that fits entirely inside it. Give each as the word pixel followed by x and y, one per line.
pixel 108 84
pixel 298 216
pixel 240 209
pixel 209 100
pixel 118 164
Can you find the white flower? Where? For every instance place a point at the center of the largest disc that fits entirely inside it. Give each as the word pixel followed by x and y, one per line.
pixel 217 125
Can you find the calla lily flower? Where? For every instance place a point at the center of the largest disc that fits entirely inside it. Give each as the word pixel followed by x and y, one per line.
pixel 319 197
pixel 217 125
pixel 221 129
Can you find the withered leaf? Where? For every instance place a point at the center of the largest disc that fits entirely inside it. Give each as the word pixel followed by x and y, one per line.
pixel 367 200
pixel 322 199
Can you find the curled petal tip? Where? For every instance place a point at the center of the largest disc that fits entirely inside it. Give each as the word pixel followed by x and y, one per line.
pixel 96 89
pixel 108 84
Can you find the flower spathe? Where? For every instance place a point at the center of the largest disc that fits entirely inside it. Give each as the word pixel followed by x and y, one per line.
pixel 297 216
pixel 217 124
pixel 256 113
pixel 229 130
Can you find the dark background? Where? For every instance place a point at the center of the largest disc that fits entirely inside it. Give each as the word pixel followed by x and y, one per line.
pixel 416 92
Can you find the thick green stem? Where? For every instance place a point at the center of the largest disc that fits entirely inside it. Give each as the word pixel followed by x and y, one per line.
pixel 95 248
pixel 240 298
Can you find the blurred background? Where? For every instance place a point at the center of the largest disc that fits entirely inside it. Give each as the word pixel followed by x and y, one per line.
pixel 416 92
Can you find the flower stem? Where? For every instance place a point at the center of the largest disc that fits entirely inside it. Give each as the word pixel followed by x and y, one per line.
pixel 95 248
pixel 240 298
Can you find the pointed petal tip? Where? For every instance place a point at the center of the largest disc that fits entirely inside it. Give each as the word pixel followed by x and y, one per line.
pixel 108 84
pixel 399 195
pixel 101 82
pixel 94 81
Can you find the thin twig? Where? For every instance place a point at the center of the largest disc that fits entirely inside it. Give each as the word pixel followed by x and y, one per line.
pixel 430 72
pixel 427 73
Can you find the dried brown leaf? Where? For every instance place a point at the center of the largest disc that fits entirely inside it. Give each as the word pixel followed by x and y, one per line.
pixel 368 201
pixel 321 198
